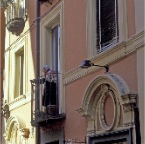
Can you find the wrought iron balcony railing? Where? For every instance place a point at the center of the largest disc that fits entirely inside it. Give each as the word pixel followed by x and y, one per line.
pixel 16 17
pixel 44 103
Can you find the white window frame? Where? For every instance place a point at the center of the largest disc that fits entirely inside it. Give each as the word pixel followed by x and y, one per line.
pixel 55 17
pixel 19 74
pixel 91 25
pixel 18 49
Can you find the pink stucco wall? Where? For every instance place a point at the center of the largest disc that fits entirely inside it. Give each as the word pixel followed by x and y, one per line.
pixel 75 30
pixel 74 33
pixel 75 52
pixel 75 125
pixel 131 17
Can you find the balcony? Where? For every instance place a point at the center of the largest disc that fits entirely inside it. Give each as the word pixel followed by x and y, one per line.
pixel 44 103
pixel 16 17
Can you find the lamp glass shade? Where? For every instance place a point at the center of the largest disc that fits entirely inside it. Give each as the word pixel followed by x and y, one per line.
pixel 86 64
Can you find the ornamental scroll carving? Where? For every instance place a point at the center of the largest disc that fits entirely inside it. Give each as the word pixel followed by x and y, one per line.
pixel 106 89
pixel 15 131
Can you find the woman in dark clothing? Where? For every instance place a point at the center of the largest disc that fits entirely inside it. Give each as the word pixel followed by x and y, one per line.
pixel 49 96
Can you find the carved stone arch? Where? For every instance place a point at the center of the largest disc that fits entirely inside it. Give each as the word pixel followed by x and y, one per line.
pixel 96 94
pixel 113 80
pixel 12 127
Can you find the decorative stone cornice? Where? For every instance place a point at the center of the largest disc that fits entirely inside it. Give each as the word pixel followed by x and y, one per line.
pixel 109 56
pixel 103 87
pixel 115 83
pixel 5 110
pixel 128 102
pixel 17 102
pixel 17 99
pixel 12 122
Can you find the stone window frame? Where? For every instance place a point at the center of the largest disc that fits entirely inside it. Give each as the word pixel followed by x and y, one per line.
pixel 53 18
pixel 19 48
pixel 19 82
pixel 91 25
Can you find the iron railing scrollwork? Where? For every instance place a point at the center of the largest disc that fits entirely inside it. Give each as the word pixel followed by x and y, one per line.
pixel 48 109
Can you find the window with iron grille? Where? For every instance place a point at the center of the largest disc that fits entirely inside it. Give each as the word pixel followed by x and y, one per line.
pixel 106 24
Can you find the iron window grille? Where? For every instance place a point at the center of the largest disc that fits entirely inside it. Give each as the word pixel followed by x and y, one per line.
pixel 106 24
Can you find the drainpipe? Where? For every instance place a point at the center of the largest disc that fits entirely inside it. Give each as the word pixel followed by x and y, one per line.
pixel 137 124
pixel 37 68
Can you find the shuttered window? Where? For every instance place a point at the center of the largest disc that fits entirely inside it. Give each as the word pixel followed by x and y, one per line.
pixel 106 23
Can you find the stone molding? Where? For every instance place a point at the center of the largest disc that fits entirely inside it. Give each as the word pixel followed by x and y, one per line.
pixel 12 122
pixel 109 56
pixel 93 102
pixel 19 101
pixel 107 92
pixel 118 85
pixel 14 128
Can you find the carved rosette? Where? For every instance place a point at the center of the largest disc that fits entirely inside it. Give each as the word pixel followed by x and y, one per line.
pixel 128 102
pixel 5 110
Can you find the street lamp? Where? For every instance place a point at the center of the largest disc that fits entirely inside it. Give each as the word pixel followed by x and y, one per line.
pixel 88 63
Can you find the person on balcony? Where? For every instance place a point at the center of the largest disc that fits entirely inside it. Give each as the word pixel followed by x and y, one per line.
pixel 49 95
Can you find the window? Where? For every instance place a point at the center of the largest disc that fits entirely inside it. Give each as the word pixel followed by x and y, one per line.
pixel 106 23
pixel 55 142
pixel 55 48
pixel 52 87
pixel 19 75
pixel 56 57
pixel 51 42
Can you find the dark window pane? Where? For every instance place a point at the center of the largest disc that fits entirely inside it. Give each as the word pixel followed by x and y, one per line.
pixel 107 25
pixel 107 20
pixel 55 142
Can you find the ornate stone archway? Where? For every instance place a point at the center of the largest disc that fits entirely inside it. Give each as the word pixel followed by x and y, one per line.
pixel 14 129
pixel 11 130
pixel 108 104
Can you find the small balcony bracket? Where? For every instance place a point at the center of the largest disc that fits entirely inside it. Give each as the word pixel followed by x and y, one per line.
pixel 16 26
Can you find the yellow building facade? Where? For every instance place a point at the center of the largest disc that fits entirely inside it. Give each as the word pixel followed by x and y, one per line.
pixel 98 105
pixel 18 70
